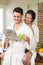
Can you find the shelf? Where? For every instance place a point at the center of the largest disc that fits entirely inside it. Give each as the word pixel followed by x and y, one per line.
pixel 39 58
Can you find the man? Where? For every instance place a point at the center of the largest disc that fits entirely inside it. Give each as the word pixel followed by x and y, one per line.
pixel 16 50
pixel 29 19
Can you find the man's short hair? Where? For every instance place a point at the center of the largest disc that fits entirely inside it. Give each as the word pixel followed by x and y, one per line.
pixel 19 10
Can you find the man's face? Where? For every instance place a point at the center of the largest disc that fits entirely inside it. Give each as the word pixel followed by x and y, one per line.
pixel 17 17
pixel 28 18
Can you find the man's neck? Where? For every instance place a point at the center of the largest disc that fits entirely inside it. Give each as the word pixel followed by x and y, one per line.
pixel 17 25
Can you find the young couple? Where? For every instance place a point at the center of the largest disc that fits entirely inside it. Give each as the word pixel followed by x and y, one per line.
pixel 15 54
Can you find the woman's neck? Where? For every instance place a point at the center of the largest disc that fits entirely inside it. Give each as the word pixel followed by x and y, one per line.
pixel 29 24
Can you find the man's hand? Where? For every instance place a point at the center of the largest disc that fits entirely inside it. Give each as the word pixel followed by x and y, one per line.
pixel 2 56
pixel 26 38
pixel 6 41
pixel 22 36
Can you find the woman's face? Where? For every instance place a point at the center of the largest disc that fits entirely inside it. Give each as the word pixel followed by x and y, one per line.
pixel 28 18
pixel 17 17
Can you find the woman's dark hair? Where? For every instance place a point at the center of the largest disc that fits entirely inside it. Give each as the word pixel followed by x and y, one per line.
pixel 19 10
pixel 32 13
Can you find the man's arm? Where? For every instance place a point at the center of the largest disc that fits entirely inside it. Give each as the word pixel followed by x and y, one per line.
pixel 26 38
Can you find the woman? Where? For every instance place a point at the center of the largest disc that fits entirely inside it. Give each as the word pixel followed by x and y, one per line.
pixel 29 19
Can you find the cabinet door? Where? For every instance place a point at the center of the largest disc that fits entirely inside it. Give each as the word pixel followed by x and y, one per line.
pixel 40 22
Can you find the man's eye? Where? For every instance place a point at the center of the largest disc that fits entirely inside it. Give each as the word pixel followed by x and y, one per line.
pixel 14 16
pixel 18 16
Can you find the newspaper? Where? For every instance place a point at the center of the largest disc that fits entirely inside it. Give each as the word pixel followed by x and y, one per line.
pixel 11 34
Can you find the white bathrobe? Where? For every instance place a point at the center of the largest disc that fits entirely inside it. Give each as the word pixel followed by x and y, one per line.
pixel 14 54
pixel 34 46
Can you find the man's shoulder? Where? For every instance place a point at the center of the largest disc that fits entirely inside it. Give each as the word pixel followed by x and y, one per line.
pixel 26 27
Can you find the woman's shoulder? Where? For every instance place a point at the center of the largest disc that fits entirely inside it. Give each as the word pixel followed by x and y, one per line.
pixel 35 26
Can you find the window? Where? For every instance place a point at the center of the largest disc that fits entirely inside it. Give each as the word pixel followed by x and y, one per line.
pixel 1 20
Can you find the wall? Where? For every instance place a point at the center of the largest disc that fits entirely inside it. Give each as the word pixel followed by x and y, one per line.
pixel 34 7
pixel 25 4
pixel 9 5
pixel 40 0
pixel 4 2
